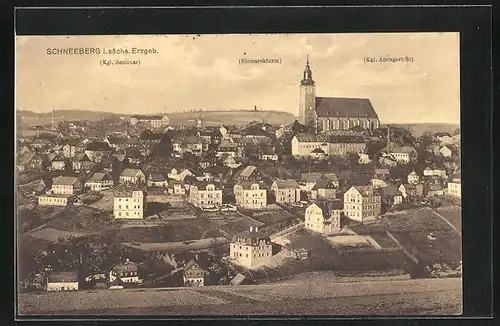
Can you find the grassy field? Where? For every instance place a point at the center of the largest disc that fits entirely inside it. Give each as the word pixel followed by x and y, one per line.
pixel 452 214
pixel 419 220
pixel 272 214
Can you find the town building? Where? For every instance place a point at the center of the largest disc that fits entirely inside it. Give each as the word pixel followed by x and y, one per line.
pixel 157 179
pixel 323 114
pixel 99 181
pixel 413 177
pixel 324 190
pixel 176 187
pixel 286 191
pixel 134 176
pixel 251 248
pixel 70 148
pixel 29 162
pixel 82 163
pixel 96 150
pixel 435 190
pixel 175 175
pixel 124 273
pixel 194 275
pixel 63 185
pixel 153 121
pixel 391 196
pixel 324 217
pixel 250 194
pixel 230 148
pixel 128 202
pixel 307 145
pixel 62 281
pixel 455 187
pixel 408 190
pixel 445 151
pixel 57 163
pixel 403 154
pixel 54 200
pixel 205 194
pixel 362 203
pixel 248 173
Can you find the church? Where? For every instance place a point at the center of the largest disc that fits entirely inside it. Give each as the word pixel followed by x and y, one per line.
pixel 323 114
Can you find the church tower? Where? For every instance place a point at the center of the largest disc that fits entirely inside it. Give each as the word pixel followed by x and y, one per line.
pixel 307 101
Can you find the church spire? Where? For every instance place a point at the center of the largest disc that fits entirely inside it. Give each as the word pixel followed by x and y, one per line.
pixel 307 80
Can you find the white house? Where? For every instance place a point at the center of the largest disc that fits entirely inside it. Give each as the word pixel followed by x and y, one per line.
pixel 126 273
pixel 63 185
pixel 134 176
pixel 413 177
pixel 157 179
pixel 324 189
pixel 62 281
pixel 99 181
pixel 362 203
pixel 286 191
pixel 445 151
pixel 205 194
pixel 251 248
pixel 128 202
pixel 364 158
pixel 403 154
pixel 455 188
pixel 250 194
pixel 323 217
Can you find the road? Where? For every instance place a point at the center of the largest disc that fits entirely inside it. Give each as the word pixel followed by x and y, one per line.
pixel 312 297
pixel 447 222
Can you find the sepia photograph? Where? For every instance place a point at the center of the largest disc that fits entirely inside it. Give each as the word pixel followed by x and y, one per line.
pixel 238 175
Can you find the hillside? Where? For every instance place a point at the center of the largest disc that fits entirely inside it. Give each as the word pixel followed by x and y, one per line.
pixel 30 118
pixel 417 129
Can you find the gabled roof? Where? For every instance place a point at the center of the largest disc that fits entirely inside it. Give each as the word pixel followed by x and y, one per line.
pixel 202 185
pixel 390 192
pixel 247 184
pixel 157 177
pixel 130 172
pixel 403 149
pixel 99 176
pixel 246 172
pixel 97 146
pixel 311 176
pixel 324 184
pixel 286 184
pixel 364 189
pixel 344 107
pixel 307 137
pixel 250 237
pixel 65 181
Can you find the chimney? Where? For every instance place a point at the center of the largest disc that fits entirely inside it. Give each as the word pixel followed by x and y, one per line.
pixel 196 257
pixel 256 229
pixel 251 229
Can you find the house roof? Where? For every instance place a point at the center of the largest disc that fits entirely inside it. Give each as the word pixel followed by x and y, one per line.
pixel 307 137
pixel 99 176
pixel 324 184
pixel 65 181
pixel 286 184
pixel 202 185
pixel 130 172
pixel 403 149
pixel 247 184
pixel 125 190
pixel 157 177
pixel 344 107
pixel 343 139
pixel 246 172
pixel 238 279
pixel 250 237
pixel 25 158
pixel 97 146
pixel 364 189
pixel 311 176
pixel 57 277
pixel 193 269
pixel 126 267
pixel 390 192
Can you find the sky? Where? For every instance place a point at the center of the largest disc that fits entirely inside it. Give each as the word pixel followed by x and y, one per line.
pixel 191 72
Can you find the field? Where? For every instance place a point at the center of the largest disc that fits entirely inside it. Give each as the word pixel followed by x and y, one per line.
pixel 234 223
pixel 420 220
pixel 180 246
pixel 343 263
pixel 452 214
pixel 272 214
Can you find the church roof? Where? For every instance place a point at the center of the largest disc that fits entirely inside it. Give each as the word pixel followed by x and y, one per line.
pixel 343 107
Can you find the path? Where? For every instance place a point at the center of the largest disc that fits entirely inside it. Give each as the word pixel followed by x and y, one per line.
pixel 447 222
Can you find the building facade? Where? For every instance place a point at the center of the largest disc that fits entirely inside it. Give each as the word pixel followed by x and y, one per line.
pixel 128 203
pixel 323 217
pixel 323 114
pixel 362 203
pixel 251 248
pixel 286 191
pixel 250 194
pixel 205 194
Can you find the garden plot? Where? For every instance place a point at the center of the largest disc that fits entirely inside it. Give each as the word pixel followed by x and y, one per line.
pixel 452 214
pixel 352 241
pixel 272 214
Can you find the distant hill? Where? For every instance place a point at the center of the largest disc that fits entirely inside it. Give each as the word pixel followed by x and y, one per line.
pixel 240 117
pixel 418 129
